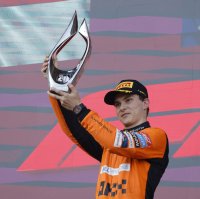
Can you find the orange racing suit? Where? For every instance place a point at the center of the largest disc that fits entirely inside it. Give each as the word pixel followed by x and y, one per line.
pixel 132 160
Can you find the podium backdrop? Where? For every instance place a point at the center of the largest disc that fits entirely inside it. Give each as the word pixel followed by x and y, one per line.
pixel 154 41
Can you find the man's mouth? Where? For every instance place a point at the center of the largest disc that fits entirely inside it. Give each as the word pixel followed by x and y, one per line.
pixel 124 115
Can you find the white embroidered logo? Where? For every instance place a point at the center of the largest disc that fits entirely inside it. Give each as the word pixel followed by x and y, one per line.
pixel 115 171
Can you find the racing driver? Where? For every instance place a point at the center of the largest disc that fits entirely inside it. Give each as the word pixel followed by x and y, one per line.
pixel 132 160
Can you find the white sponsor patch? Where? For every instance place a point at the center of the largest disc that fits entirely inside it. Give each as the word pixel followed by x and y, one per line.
pixel 118 139
pixel 115 171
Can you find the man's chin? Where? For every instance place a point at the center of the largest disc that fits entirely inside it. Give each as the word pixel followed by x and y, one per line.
pixel 127 124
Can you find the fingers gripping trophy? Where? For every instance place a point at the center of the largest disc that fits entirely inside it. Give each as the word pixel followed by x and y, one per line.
pixel 60 79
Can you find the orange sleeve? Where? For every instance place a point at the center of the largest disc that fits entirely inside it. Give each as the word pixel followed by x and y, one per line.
pixel 75 131
pixel 61 119
pixel 148 143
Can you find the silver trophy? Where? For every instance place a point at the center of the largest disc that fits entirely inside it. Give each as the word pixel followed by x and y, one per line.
pixel 59 79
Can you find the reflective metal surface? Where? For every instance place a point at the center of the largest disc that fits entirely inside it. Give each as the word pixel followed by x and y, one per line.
pixel 59 79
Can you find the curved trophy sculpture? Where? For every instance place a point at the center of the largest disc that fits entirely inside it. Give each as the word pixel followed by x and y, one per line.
pixel 59 79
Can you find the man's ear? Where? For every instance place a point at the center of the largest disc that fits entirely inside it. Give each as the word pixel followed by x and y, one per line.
pixel 146 103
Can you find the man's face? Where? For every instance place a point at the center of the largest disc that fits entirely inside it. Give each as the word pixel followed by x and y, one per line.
pixel 130 110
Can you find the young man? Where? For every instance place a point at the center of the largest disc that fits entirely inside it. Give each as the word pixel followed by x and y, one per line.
pixel 134 159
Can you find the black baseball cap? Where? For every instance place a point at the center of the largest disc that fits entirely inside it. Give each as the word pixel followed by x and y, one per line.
pixel 128 87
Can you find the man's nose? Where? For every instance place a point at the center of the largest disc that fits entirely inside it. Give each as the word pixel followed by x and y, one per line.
pixel 123 106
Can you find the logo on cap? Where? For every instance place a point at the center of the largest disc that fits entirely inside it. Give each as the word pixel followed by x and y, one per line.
pixel 124 85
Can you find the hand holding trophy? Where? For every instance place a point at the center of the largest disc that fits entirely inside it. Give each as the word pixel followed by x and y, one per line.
pixel 60 79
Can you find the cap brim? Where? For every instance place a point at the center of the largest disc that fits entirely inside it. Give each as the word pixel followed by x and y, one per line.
pixel 110 97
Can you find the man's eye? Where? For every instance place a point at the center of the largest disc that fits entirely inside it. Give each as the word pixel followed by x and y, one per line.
pixel 128 99
pixel 116 104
